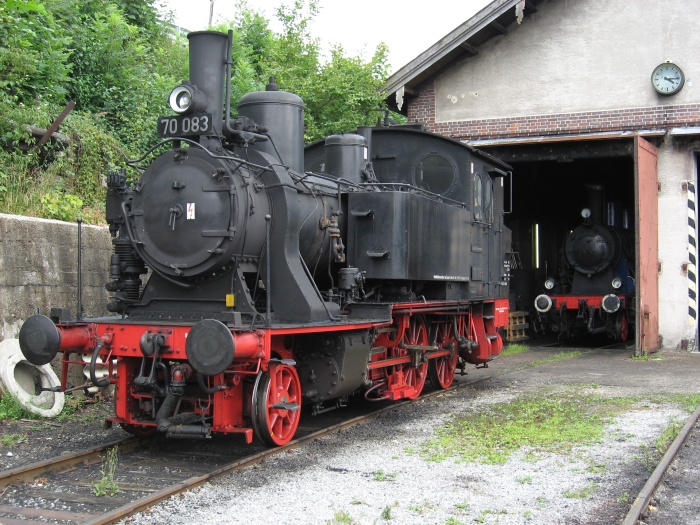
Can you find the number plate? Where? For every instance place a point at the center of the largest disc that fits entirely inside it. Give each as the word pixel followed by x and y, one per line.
pixel 185 125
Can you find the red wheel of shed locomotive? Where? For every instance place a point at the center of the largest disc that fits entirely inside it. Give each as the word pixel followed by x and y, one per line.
pixel 277 405
pixel 621 327
pixel 442 369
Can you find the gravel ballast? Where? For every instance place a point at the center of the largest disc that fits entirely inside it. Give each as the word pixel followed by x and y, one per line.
pixel 371 474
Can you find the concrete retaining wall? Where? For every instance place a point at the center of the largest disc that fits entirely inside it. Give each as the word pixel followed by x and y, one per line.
pixel 39 269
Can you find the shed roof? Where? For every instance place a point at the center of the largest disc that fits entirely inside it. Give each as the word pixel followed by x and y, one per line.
pixel 496 19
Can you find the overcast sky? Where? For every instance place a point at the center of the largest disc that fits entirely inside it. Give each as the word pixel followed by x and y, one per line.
pixel 407 28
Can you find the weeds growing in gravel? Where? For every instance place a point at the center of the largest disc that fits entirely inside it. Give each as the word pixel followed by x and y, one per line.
pixel 557 357
pixel 386 513
pixel 380 475
pixel 687 402
pixel 668 435
pixel 651 455
pixel 341 517
pixel 546 422
pixel 107 486
pixel 72 406
pixel 582 493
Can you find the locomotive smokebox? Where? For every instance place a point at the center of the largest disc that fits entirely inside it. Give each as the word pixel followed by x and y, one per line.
pixel 208 51
pixel 283 115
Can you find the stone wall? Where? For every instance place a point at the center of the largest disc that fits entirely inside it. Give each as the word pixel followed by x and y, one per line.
pixel 39 269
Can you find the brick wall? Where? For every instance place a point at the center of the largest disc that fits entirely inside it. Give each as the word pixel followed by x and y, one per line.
pixel 422 109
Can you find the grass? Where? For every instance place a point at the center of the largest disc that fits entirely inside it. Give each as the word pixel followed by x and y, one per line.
pixel 557 357
pixel 9 440
pixel 425 508
pixel 554 422
pixel 668 435
pixel 74 407
pixel 11 410
pixel 624 498
pixel 546 422
pixel 687 402
pixel 646 357
pixel 514 348
pixel 386 513
pixel 651 455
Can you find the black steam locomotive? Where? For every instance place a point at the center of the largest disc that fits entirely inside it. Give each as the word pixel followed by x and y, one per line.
pixel 594 291
pixel 278 276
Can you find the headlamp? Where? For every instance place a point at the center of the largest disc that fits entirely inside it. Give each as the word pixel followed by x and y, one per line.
pixel 181 98
pixel 186 98
pixel 543 303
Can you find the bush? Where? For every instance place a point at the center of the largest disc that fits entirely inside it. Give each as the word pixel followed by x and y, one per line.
pixel 57 181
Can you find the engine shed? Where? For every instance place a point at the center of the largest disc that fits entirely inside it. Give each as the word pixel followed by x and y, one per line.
pixel 574 95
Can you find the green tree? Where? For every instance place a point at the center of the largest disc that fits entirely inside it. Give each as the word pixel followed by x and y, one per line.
pixel 34 53
pixel 252 41
pixel 119 63
pixel 340 93
pixel 124 72
pixel 346 93
pixel 114 60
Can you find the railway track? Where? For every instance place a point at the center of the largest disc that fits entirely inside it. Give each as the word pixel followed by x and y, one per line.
pixel 639 509
pixel 641 503
pixel 60 490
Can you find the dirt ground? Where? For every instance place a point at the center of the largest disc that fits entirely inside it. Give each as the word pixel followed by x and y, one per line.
pixel 30 440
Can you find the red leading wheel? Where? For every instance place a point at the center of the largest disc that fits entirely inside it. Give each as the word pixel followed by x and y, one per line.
pixel 442 369
pixel 277 405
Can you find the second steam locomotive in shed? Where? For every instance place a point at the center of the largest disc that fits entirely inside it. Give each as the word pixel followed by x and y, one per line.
pixel 594 289
pixel 251 276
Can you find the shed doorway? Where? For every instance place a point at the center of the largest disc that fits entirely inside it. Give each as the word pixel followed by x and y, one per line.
pixel 553 183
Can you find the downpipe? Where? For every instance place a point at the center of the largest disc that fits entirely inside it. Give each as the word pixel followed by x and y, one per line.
pixel 591 324
pixel 164 423
pixel 100 383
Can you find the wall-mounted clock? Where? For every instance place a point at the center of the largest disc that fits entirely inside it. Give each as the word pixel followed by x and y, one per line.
pixel 667 78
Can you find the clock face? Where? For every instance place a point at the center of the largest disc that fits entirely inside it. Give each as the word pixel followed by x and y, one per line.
pixel 667 78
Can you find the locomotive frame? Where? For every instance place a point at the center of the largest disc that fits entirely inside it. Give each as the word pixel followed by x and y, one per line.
pixel 279 276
